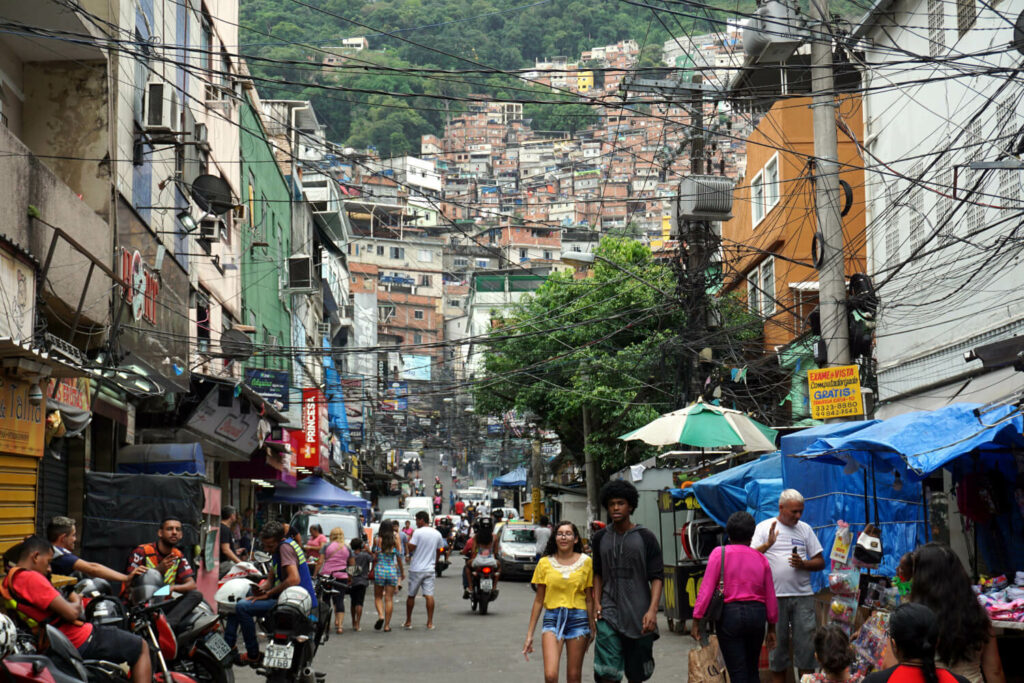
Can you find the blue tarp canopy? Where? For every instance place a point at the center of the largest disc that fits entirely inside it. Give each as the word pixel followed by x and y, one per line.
pixel 830 494
pixel 513 479
pixel 162 458
pixel 754 486
pixel 919 443
pixel 315 491
pixel 797 442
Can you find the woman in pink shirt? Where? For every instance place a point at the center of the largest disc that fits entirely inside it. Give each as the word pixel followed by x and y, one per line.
pixel 749 600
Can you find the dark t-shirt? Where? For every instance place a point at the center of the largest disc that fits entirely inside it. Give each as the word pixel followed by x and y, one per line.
pixel 360 573
pixel 226 537
pixel 63 561
pixel 627 563
pixel 910 674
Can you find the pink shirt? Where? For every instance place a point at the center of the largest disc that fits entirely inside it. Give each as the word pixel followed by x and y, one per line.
pixel 747 578
pixel 336 561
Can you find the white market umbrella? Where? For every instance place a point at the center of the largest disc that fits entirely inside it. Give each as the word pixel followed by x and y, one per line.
pixel 706 426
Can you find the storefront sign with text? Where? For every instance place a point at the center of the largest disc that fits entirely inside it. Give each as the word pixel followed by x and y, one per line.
pixel 834 392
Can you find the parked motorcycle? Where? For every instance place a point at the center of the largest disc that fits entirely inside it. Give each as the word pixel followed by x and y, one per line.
pixel 293 638
pixel 327 589
pixel 202 651
pixel 482 593
pixel 59 663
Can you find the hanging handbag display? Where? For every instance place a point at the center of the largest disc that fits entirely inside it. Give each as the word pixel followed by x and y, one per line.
pixel 868 550
pixel 716 605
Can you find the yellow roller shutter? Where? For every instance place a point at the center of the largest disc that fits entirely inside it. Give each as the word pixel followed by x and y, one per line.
pixel 18 478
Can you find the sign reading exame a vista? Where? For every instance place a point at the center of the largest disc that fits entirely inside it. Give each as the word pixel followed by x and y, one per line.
pixel 834 392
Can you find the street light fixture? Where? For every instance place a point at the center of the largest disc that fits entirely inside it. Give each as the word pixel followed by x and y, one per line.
pixel 187 222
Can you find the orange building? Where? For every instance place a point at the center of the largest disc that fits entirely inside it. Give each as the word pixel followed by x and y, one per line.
pixel 769 239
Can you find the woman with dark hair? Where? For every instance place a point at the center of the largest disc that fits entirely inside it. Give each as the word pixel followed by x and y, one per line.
pixel 564 578
pixel 966 644
pixel 913 635
pixel 388 572
pixel 750 602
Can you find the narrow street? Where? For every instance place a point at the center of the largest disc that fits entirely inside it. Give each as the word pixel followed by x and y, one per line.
pixel 472 645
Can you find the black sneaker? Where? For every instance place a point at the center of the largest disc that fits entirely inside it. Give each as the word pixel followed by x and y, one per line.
pixel 465 594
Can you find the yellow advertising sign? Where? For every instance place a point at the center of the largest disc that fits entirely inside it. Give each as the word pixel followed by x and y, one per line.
pixel 21 422
pixel 835 392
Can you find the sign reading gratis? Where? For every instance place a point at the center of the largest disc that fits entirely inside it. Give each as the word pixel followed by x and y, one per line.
pixel 834 392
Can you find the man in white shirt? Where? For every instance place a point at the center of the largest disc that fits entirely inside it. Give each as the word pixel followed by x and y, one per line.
pixel 424 546
pixel 793 552
pixel 543 533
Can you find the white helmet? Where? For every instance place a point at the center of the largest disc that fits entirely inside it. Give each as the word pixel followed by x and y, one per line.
pixel 233 591
pixel 8 636
pixel 297 598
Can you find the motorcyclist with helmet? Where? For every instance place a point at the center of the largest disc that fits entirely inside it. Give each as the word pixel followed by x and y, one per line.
pixel 31 597
pixel 62 534
pixel 289 568
pixel 165 557
pixel 482 543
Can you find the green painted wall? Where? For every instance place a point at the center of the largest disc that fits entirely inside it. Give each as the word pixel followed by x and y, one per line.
pixel 268 222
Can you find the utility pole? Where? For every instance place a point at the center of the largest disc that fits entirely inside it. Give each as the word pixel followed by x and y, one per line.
pixel 535 472
pixel 590 471
pixel 832 272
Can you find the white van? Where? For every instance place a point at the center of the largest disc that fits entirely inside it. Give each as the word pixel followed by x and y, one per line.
pixel 416 503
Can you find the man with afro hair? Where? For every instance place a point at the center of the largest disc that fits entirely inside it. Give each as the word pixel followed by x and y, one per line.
pixel 628 577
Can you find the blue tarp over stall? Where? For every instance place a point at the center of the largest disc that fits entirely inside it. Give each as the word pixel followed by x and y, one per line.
pixel 833 493
pixel 921 442
pixel 754 486
pixel 315 491
pixel 513 479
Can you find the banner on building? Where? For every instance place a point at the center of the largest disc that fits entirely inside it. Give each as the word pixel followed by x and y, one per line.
pixel 22 430
pixel 396 396
pixel 416 368
pixel 313 436
pixel 17 296
pixel 272 385
pixel 835 392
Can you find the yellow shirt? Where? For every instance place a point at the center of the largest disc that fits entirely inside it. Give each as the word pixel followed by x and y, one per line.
pixel 565 585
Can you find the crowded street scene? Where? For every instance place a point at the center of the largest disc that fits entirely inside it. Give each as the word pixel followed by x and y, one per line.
pixel 425 340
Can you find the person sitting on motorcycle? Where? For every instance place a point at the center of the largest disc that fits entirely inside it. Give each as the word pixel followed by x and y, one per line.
pixel 31 597
pixel 288 568
pixel 483 543
pixel 63 535
pixel 166 558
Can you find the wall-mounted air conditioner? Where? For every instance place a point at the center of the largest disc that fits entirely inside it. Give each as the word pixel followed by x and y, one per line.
pixel 210 229
pixel 201 136
pixel 161 107
pixel 300 272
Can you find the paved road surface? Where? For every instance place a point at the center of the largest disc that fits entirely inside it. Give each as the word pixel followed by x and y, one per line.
pixel 465 645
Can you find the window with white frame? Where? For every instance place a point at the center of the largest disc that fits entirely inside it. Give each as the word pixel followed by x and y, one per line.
pixel 754 292
pixel 481 263
pixel 764 190
pixel 757 199
pixel 771 184
pixel 425 280
pixel 397 252
pixel 461 262
pixel 417 314
pixel 761 288
pixel 426 256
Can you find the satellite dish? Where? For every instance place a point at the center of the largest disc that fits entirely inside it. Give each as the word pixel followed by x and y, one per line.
pixel 1018 34
pixel 236 345
pixel 212 194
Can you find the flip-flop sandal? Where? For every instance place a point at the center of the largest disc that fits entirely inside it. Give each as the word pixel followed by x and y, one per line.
pixel 378 624
pixel 387 629
pixel 431 627
pixel 407 627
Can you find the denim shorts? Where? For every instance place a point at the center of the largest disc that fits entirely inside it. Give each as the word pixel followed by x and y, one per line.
pixel 566 623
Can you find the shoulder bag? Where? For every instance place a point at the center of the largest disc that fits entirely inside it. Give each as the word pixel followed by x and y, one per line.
pixel 717 603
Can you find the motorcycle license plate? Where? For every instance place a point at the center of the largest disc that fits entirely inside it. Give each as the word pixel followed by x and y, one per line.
pixel 278 656
pixel 486 584
pixel 218 648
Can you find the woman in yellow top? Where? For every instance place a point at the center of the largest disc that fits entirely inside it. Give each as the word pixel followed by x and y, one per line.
pixel 564 578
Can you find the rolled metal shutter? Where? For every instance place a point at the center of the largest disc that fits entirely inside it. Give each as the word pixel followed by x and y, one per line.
pixel 18 481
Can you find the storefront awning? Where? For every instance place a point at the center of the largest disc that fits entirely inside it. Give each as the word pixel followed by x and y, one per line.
pixel 513 479
pixel 162 458
pixel 315 491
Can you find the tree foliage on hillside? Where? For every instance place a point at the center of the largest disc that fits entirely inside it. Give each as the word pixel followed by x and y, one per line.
pixel 446 34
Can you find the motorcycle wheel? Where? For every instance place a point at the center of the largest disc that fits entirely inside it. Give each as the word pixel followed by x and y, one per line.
pixel 279 676
pixel 205 669
pixel 472 604
pixel 483 606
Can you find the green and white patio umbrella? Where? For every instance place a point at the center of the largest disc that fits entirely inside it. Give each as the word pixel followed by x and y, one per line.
pixel 702 425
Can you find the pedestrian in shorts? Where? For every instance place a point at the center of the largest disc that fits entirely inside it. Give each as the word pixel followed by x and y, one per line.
pixel 424 546
pixel 628 577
